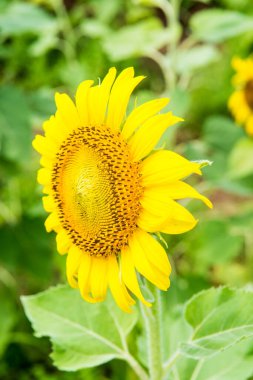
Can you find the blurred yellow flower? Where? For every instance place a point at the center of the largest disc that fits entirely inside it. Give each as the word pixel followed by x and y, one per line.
pixel 241 101
pixel 107 192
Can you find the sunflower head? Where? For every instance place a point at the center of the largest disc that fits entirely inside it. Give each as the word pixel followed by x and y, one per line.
pixel 108 193
pixel 241 101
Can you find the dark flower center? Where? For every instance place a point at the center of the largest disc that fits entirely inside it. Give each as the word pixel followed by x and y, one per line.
pixel 248 92
pixel 97 188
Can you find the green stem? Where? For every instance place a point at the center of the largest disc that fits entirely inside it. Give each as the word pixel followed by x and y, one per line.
pixel 197 370
pixel 133 363
pixel 136 367
pixel 152 324
pixel 160 60
pixel 69 39
pixel 7 279
pixel 170 362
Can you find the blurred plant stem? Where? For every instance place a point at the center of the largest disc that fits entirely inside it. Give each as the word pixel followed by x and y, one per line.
pixel 132 362
pixel 197 369
pixel 152 319
pixel 167 62
pixel 69 40
pixel 11 209
pixel 7 279
pixel 136 367
pixel 170 362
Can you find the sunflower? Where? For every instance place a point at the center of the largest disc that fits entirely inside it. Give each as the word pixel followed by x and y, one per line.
pixel 108 193
pixel 241 101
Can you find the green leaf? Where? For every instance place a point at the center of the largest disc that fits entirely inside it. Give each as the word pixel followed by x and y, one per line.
pixel 106 11
pixel 15 125
pixel 217 25
pixel 136 40
pixel 232 364
pixel 8 318
pixel 44 43
pixel 213 243
pixel 179 101
pixel 239 5
pixel 25 18
pixel 189 60
pixel 42 104
pixel 241 159
pixel 16 242
pixel 230 133
pixel 175 331
pixel 241 186
pixel 83 335
pixel 220 318
pixel 93 28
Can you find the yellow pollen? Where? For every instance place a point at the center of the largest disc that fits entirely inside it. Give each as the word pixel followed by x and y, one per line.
pixel 97 188
pixel 248 93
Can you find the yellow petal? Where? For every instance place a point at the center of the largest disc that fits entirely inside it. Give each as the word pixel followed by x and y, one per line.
pixel 138 249
pixel 63 242
pixel 244 69
pixel 175 190
pixel 119 98
pixel 67 111
pixel 82 101
pixel 171 217
pixel 52 223
pixel 47 125
pixel 165 167
pixel 48 204
pixel 117 287
pixel 47 162
pixel 238 63
pixel 44 176
pixel 239 107
pixel 148 135
pixel 53 131
pixel 249 126
pixel 72 264
pixel 142 113
pixel 44 146
pixel 236 99
pixel 84 278
pixel 93 105
pixel 155 253
pixel 61 125
pixel 99 278
pixel 180 224
pixel 129 275
pixel 47 189
pixel 99 97
pixel 150 222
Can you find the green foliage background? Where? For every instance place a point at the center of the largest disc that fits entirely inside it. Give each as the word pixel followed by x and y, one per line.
pixel 185 49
